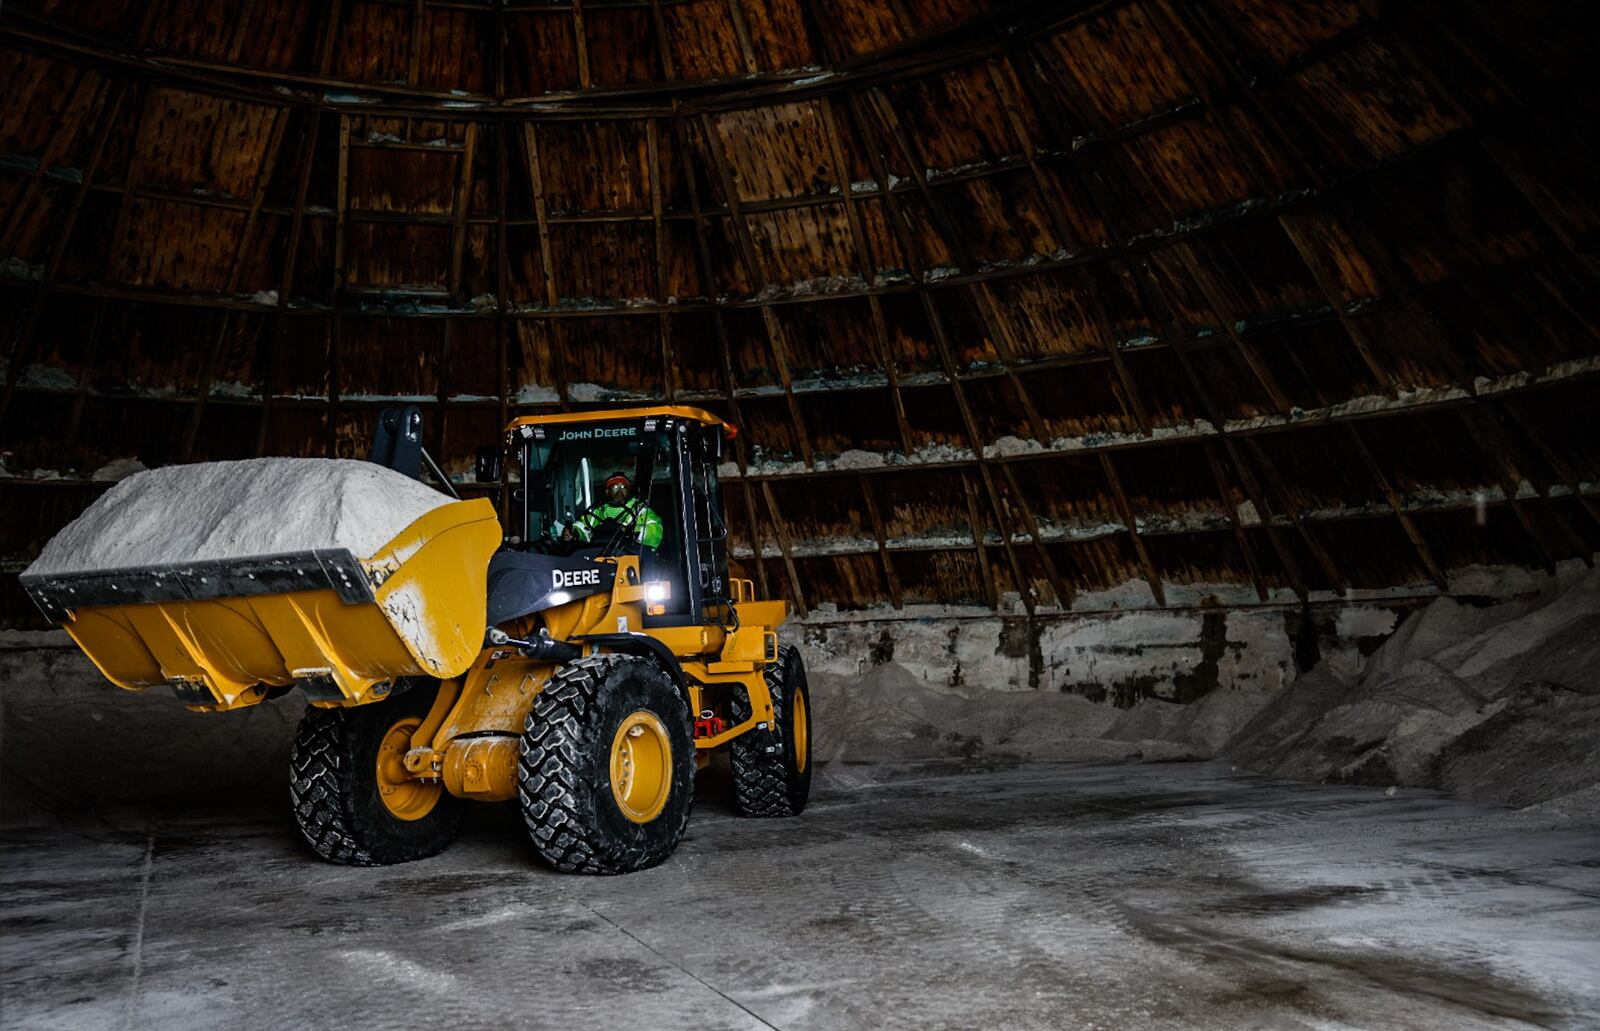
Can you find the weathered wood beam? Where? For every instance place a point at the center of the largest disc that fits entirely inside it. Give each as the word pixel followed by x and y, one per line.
pixel 659 243
pixel 1059 584
pixel 1495 445
pixel 1407 524
pixel 1131 521
pixel 716 151
pixel 552 297
pixel 1212 291
pixel 782 533
pixel 741 32
pixel 663 44
pixel 1023 581
pixel 462 205
pixel 419 15
pixel 753 531
pixel 953 239
pixel 1152 296
pixel 1275 482
pixel 502 288
pixel 268 164
pixel 1225 496
pixel 858 242
pixel 1353 330
pixel 1000 75
pixel 877 154
pixel 991 590
pixel 341 275
pixel 291 252
pixel 330 36
pixel 27 206
pixel 891 579
pixel 580 34
pixel 1514 410
pixel 17 352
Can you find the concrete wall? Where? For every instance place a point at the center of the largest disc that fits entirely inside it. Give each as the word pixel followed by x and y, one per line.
pixel 1117 658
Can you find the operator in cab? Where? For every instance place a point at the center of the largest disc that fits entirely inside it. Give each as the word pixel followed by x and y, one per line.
pixel 619 506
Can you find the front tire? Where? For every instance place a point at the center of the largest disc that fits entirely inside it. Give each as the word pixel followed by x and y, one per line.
pixel 606 778
pixel 772 771
pixel 352 800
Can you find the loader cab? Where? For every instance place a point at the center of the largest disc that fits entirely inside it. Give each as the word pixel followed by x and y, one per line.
pixel 673 519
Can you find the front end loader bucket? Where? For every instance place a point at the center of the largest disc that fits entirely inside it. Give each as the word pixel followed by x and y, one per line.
pixel 222 632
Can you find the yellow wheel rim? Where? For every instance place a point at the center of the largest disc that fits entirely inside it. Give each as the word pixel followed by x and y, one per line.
pixel 404 796
pixel 641 766
pixel 801 732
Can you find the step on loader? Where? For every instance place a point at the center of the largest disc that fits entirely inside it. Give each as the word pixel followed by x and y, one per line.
pixel 583 661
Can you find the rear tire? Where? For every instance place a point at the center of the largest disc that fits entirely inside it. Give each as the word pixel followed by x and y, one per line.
pixel 775 783
pixel 344 807
pixel 606 778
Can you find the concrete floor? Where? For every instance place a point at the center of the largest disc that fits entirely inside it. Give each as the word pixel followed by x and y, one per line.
pixel 909 896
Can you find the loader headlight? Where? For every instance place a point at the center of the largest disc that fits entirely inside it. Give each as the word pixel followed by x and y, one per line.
pixel 658 590
pixel 559 597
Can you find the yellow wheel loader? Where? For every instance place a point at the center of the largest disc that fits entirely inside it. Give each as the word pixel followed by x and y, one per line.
pixel 585 663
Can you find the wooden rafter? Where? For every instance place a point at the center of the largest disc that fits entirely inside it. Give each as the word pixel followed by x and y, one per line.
pixel 891 579
pixel 1491 439
pixel 1407 524
pixel 782 533
pixel 864 264
pixel 1158 307
pixel 776 338
pixel 462 205
pixel 741 32
pixel 658 236
pixel 1231 510
pixel 581 37
pixel 991 590
pixel 1212 291
pixel 877 157
pixel 552 297
pixel 269 162
pixel 286 280
pixel 999 74
pixel 24 338
pixel 84 86
pixel 1060 585
pixel 1131 521
pixel 999 331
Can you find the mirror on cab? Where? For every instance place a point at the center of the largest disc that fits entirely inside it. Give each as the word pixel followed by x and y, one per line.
pixel 487 467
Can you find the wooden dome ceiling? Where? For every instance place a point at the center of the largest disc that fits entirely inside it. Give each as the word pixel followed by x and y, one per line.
pixel 1016 303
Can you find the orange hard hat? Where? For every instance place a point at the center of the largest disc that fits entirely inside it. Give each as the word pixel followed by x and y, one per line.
pixel 617 478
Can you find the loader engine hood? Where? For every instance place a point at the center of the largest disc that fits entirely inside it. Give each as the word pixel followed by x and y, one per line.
pixel 522 583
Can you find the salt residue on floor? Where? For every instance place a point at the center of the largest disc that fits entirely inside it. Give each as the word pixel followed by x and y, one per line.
pixel 225 510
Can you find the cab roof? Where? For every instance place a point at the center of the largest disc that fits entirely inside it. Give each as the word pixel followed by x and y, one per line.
pixel 699 415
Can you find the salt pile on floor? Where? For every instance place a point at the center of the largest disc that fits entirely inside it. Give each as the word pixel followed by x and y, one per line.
pixel 1499 703
pixel 227 510
pixel 889 713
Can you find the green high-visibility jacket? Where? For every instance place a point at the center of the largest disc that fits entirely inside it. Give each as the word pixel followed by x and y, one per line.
pixel 647 523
